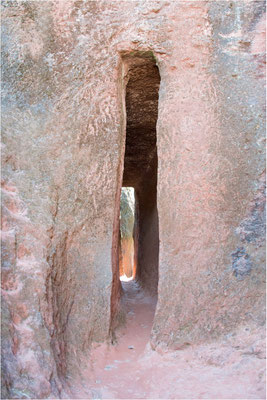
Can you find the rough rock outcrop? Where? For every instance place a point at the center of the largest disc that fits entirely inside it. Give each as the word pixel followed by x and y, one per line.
pixel 64 128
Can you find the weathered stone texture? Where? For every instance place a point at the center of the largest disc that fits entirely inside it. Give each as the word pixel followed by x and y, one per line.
pixel 219 129
pixel 64 127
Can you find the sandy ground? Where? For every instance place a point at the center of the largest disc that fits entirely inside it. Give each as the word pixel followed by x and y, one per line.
pixel 233 368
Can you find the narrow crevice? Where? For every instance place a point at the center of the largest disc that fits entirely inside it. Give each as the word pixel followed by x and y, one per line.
pixel 142 80
pixel 141 161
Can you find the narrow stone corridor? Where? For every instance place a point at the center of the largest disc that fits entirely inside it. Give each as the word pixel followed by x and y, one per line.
pixel 164 99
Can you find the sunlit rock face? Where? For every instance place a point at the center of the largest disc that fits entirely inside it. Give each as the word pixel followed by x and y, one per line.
pixel 64 123
pixel 127 213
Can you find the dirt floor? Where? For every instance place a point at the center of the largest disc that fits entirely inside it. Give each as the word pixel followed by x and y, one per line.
pixel 233 368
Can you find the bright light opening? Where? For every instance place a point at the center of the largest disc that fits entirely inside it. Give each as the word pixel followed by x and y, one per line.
pixel 127 222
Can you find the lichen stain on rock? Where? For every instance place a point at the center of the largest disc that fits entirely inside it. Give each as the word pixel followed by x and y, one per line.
pixel 241 263
pixel 252 228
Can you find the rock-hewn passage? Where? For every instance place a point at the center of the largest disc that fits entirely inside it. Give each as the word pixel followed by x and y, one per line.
pixel 141 160
pixel 167 97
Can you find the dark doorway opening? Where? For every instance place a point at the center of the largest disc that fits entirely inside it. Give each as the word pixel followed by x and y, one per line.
pixel 141 162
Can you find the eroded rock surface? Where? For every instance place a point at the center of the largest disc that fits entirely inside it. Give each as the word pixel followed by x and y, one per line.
pixel 64 124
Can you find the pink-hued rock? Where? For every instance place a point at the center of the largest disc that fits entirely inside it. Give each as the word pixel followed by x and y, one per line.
pixel 232 367
pixel 127 257
pixel 64 120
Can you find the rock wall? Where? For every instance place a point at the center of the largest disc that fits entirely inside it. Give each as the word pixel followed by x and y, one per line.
pixel 127 217
pixel 211 154
pixel 64 125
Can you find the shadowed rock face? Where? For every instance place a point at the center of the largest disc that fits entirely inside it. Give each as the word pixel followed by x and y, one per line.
pixel 142 112
pixel 67 66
